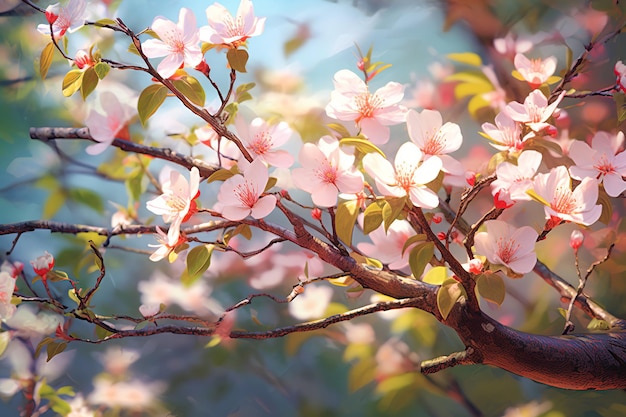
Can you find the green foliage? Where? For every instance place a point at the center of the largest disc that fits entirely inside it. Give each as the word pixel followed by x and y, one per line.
pixel 237 59
pixel 190 88
pixel 420 256
pixel 150 100
pixel 491 287
pixel 46 59
pixel 198 261
pixel 345 219
pixel 448 294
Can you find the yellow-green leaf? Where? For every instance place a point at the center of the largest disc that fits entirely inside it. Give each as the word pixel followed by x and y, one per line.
pixel 271 182
pixel 54 349
pixel 447 295
pixel 419 257
pixel 363 145
pixel 55 276
pixel 46 59
pixel 102 69
pixel 436 275
pixel 237 59
pixel 362 373
pixel 5 337
pixel 415 238
pixel 72 82
pixel 468 58
pixel 150 100
pixel 198 261
pixel 345 218
pixel 53 204
pixel 340 129
pixel 392 208
pixel 372 218
pixel 490 286
pixel 191 88
pixel 221 174
pixel 471 89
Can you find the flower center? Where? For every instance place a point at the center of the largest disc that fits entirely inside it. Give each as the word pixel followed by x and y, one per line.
pixel 246 193
pixel 367 104
pixel 563 201
pixel 404 175
pixel 327 173
pixel 174 41
pixel 535 113
pixel 262 143
pixel 604 166
pixel 435 144
pixel 507 248
pixel 176 202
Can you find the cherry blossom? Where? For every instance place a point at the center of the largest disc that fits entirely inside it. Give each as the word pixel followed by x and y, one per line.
pixel 7 285
pixel 435 139
pixel 326 171
pixel 223 29
pixel 603 161
pixel 535 71
pixel 13 268
pixel 178 43
pixel 68 18
pixel 43 264
pixel 503 244
pixel 620 72
pixel 108 121
pixel 261 140
pixel 510 45
pixel 240 196
pixel 29 321
pixel 312 303
pixel 387 246
pixel 352 100
pixel 535 111
pixel 578 206
pixel 131 395
pixel 506 134
pixel 165 245
pixel 176 204
pixel 514 180
pixel 83 59
pixel 407 177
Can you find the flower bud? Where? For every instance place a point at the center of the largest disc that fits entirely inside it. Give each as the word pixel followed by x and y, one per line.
pixel 437 219
pixel 475 266
pixel 316 213
pixel 43 264
pixel 576 239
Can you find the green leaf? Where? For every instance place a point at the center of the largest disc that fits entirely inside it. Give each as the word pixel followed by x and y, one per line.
pixel 363 145
pixel 490 286
pixel 5 338
pixel 468 58
pixel 72 82
pixel 150 100
pixel 419 257
pixel 45 60
pixel 56 275
pixel 54 348
pixel 362 373
pixel 53 204
pixel 372 218
pixel 415 238
pixel 594 324
pixel 237 59
pixel 620 105
pixel 271 182
pixel 87 198
pixel 447 295
pixel 392 208
pixel 198 261
pixel 221 174
pixel 191 88
pixel 340 129
pixel 102 69
pixel 109 22
pixel 607 207
pixel 243 230
pixel 345 218
pixel 396 382
pixel 463 90
pixel 135 184
pixel 475 104
pixel 90 81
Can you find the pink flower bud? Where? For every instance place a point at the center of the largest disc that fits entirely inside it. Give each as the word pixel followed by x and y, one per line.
pixel 437 219
pixel 43 264
pixel 576 239
pixel 52 13
pixel 316 213
pixel 441 236
pixel 470 178
pixel 501 200
pixel 83 60
pixel 475 266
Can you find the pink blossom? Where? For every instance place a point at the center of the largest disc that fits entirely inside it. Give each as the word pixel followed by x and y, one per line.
pixel 13 268
pixel 510 46
pixel 240 196
pixel 326 171
pixel 506 245
pixel 68 18
pixel 576 239
pixel 176 204
pixel 435 139
pixel 578 206
pixel 535 111
pixel 535 71
pixel 311 304
pixel 387 246
pixel 83 59
pixel 7 285
pixel 178 43
pixel 223 29
pixel 620 72
pixel 515 180
pixel 352 100
pixel 165 245
pixel 43 264
pixel 407 177
pixel 506 134
pixel 107 121
pixel 604 160
pixel 261 140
